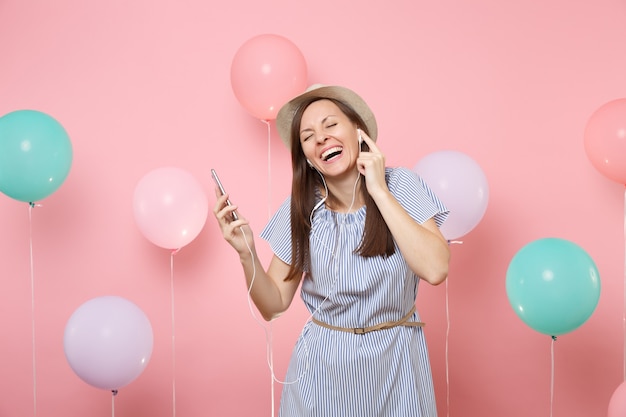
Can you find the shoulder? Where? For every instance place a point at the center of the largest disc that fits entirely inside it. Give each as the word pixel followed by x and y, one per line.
pixel 280 220
pixel 399 177
pixel 415 195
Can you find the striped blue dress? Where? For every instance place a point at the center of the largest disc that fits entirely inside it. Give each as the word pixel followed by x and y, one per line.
pixel 334 373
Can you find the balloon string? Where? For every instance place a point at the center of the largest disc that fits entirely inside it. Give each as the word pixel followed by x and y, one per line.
pixel 624 312
pixel 269 169
pixel 450 242
pixel 32 303
pixel 114 393
pixel 447 343
pixel 552 375
pixel 271 361
pixel 269 337
pixel 267 330
pixel 173 332
pixel 269 215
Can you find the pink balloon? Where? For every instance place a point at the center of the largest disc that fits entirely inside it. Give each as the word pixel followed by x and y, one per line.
pixel 605 140
pixel 170 207
pixel 108 342
pixel 461 185
pixel 266 72
pixel 617 403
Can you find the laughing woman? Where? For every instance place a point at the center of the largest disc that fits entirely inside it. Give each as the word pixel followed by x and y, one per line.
pixel 359 236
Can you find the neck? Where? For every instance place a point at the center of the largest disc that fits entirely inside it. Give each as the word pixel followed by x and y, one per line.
pixel 344 194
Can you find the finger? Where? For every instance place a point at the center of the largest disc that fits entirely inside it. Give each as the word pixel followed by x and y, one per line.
pixel 220 202
pixel 226 214
pixel 370 142
pixel 231 211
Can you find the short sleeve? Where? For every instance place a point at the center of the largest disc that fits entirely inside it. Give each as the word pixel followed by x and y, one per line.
pixel 415 196
pixel 277 232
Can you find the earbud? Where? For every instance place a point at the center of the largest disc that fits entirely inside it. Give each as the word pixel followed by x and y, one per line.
pixel 360 138
pixel 309 162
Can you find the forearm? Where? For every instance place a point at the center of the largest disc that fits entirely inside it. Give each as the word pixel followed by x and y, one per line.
pixel 424 248
pixel 271 297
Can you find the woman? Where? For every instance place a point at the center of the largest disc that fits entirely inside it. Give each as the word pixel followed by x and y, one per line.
pixel 359 236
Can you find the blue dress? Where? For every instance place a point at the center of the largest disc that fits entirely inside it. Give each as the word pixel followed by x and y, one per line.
pixel 334 373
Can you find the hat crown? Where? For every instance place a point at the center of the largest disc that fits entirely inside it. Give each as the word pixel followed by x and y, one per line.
pixel 285 116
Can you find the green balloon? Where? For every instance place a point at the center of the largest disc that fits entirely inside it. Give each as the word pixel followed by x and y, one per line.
pixel 35 155
pixel 553 285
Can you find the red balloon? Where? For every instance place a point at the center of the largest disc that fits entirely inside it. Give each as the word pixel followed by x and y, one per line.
pixel 266 72
pixel 605 140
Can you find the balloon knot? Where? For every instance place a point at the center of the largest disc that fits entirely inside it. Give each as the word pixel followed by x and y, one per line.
pixel 114 391
pixel 554 338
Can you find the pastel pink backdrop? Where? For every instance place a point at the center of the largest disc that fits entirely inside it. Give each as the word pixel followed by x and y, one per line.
pixel 141 85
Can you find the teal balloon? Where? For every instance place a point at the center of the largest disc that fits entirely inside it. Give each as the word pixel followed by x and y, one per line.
pixel 553 285
pixel 35 155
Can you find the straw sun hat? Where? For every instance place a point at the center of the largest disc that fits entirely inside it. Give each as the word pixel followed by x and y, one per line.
pixel 286 114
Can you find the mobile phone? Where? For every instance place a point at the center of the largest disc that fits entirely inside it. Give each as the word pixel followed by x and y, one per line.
pixel 222 190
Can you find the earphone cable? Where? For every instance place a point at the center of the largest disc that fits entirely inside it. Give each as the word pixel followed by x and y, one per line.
pixel 269 333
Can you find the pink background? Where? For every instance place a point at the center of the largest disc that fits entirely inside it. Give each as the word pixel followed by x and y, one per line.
pixel 142 84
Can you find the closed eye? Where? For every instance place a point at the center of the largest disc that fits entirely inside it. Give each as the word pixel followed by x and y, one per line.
pixel 305 134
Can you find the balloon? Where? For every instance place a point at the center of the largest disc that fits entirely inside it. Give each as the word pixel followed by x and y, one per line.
pixel 266 72
pixel 605 140
pixel 108 342
pixel 553 285
pixel 170 207
pixel 35 155
pixel 459 182
pixel 617 403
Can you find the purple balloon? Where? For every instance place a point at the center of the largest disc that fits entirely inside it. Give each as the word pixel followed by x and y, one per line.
pixel 108 342
pixel 461 185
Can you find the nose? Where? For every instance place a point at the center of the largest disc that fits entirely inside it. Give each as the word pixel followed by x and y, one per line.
pixel 321 137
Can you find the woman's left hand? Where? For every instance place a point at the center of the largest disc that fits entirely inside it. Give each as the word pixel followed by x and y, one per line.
pixel 371 164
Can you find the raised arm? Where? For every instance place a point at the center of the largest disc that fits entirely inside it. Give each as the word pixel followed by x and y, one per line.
pixel 422 245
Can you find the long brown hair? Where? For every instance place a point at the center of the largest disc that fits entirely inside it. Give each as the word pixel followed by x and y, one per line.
pixel 306 182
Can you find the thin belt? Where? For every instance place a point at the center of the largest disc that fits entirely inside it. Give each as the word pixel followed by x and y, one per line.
pixel 362 330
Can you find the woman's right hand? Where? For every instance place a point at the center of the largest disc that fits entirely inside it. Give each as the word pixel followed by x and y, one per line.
pixel 232 229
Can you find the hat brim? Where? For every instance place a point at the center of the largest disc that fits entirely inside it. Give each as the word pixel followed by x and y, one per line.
pixel 285 115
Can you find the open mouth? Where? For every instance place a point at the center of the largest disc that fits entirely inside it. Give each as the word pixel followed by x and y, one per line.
pixel 331 153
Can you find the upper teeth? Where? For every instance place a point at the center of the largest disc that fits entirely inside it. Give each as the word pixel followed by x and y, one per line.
pixel 331 151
